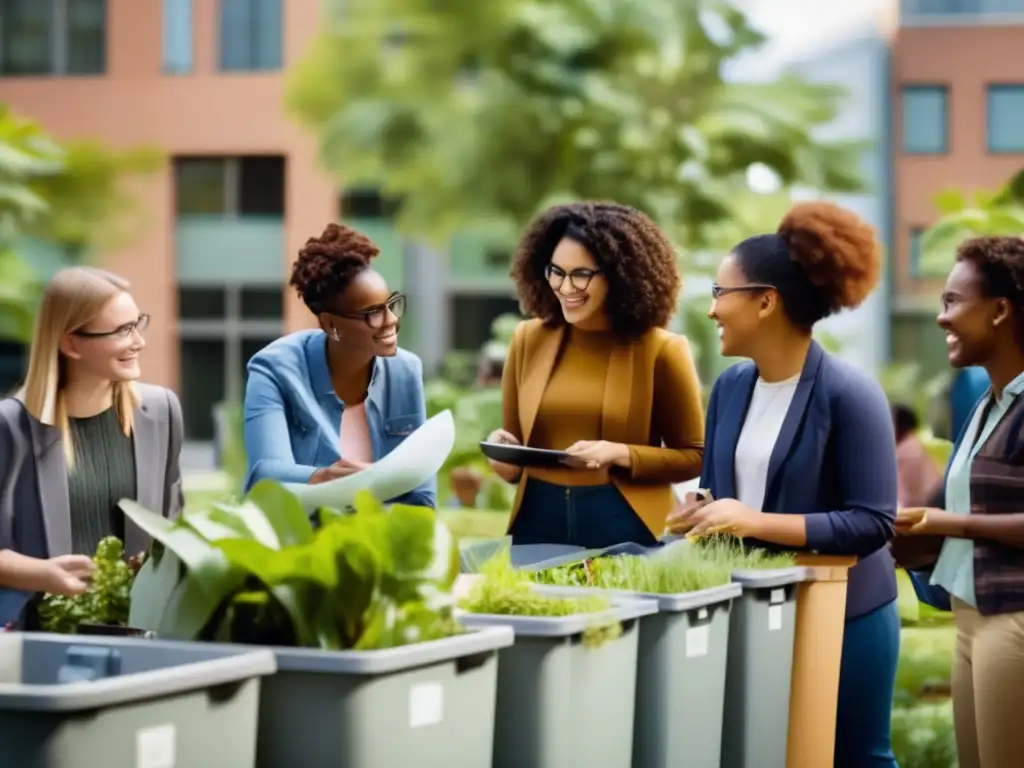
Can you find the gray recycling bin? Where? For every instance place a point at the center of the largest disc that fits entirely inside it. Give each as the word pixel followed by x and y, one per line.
pixel 759 676
pixel 561 702
pixel 70 702
pixel 429 705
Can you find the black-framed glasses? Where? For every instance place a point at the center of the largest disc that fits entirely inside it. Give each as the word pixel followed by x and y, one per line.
pixel 121 332
pixel 579 278
pixel 718 291
pixel 374 316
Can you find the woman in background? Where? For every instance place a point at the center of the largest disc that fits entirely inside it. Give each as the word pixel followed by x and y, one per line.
pixel 326 403
pixel 980 566
pixel 596 374
pixel 82 433
pixel 917 473
pixel 800 452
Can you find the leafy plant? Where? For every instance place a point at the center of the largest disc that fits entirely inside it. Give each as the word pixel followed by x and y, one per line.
pixel 258 572
pixel 923 736
pixel 680 567
pixel 106 602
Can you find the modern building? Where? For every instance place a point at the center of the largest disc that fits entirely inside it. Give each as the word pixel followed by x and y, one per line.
pixel 241 190
pixel 957 122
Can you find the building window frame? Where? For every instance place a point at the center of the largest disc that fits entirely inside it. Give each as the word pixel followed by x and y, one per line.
pixel 254 56
pixel 909 89
pixel 231 195
pixel 995 89
pixel 60 43
pixel 177 55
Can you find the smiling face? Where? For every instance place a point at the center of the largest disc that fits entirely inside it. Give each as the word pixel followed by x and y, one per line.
pixel 367 316
pixel 581 289
pixel 738 308
pixel 972 321
pixel 108 346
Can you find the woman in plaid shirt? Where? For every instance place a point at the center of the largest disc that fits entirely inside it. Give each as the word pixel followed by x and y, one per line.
pixel 979 536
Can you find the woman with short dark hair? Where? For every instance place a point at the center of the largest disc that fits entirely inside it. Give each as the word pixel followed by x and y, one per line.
pixel 596 374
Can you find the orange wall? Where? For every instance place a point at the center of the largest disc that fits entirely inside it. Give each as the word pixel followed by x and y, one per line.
pixel 205 112
pixel 965 59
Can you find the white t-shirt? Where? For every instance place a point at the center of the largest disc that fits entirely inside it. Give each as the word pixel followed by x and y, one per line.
pixel 768 407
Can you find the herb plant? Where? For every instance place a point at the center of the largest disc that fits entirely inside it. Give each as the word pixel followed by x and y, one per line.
pixel 258 572
pixel 106 601
pixel 681 567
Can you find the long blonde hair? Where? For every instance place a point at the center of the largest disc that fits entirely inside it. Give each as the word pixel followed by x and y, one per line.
pixel 73 297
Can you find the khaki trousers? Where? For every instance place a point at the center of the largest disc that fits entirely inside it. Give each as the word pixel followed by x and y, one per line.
pixel 988 688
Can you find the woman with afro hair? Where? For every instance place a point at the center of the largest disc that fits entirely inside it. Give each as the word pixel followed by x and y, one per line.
pixel 596 374
pixel 800 451
pixel 325 403
pixel 976 564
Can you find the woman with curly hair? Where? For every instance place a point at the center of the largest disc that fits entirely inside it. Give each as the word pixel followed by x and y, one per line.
pixel 323 404
pixel 595 373
pixel 800 451
pixel 977 542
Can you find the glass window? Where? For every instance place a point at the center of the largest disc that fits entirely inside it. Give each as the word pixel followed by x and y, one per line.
pixel 250 346
pixel 262 304
pixel 201 303
pixel 86 37
pixel 177 36
pixel 26 37
pixel 472 316
pixel 200 185
pixel 203 384
pixel 250 35
pixel 1005 118
pixel 261 185
pixel 925 119
pixel 367 203
pixel 914 251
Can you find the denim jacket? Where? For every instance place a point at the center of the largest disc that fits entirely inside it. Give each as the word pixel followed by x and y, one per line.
pixel 292 415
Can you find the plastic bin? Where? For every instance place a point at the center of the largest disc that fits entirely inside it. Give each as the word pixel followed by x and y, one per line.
pixel 560 702
pixel 429 705
pixel 760 667
pixel 68 702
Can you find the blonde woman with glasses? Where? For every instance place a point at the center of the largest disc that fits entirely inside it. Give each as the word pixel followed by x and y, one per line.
pixel 81 434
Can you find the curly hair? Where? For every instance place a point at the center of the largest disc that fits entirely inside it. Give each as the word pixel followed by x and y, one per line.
pixel 634 255
pixel 1000 263
pixel 327 265
pixel 823 258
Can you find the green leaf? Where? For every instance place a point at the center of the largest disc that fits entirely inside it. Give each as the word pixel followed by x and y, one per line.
pixel 283 511
pixel 949 201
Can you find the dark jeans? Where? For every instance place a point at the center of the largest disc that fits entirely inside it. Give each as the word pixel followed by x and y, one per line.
pixel 592 517
pixel 867 681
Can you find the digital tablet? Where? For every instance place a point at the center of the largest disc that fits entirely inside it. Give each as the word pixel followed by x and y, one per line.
pixel 520 456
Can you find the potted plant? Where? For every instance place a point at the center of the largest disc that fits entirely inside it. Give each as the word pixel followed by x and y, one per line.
pixel 359 614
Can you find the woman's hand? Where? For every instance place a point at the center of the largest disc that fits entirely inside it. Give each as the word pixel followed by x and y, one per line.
pixel 66 575
pixel 727 516
pixel 682 519
pixel 597 454
pixel 510 473
pixel 927 521
pixel 340 468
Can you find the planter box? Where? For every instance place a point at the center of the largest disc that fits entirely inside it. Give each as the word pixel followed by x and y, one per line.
pixel 758 680
pixel 428 704
pixel 561 703
pixel 818 649
pixel 68 702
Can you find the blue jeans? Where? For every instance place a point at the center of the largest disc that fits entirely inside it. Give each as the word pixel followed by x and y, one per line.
pixel 592 517
pixel 867 681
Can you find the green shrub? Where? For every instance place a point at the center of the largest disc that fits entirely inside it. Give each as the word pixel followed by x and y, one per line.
pixel 922 736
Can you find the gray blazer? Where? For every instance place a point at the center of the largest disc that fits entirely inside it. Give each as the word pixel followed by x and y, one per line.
pixel 35 514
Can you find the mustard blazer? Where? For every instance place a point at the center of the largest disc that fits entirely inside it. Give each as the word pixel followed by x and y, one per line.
pixel 652 403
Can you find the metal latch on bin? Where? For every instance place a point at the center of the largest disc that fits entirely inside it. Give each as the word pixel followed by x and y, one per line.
pixel 83 663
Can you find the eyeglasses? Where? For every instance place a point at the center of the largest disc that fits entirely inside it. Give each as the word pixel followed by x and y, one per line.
pixel 123 332
pixel 579 279
pixel 718 291
pixel 374 316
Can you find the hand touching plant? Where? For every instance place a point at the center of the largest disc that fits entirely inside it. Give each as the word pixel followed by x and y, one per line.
pixel 727 516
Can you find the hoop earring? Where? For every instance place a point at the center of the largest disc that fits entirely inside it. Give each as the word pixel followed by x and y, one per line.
pixel 334 335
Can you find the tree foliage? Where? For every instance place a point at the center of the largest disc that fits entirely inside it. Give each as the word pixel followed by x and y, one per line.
pixel 481 113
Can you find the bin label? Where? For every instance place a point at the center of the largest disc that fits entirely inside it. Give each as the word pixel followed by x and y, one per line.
pixel 697 641
pixel 155 747
pixel 426 704
pixel 777 596
pixel 774 618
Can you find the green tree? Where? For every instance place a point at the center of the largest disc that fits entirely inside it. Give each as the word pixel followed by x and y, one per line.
pixel 68 195
pixel 477 114
pixel 964 215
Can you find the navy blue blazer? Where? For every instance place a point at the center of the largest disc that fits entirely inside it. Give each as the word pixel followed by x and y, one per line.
pixel 834 461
